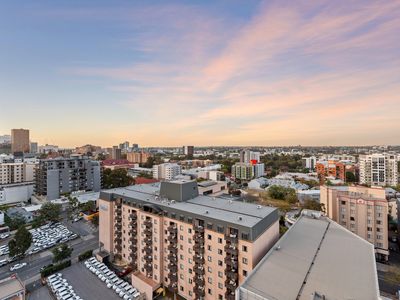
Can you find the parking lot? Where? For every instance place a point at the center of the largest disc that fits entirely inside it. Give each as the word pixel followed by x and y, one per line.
pixel 87 285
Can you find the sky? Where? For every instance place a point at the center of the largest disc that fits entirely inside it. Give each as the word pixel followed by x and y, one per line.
pixel 171 73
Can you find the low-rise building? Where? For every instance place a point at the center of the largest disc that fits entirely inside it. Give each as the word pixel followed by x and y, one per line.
pixel 315 259
pixel 16 193
pixel 248 171
pixel 12 288
pixel 15 212
pixel 166 171
pixel 138 157
pixel 212 188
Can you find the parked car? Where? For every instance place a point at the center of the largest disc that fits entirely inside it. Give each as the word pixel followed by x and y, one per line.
pixel 18 266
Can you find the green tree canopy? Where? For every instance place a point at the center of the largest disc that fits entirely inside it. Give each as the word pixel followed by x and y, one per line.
pixel 282 193
pixel 50 212
pixel 116 178
pixel 350 177
pixel 61 252
pixel 15 222
pixel 21 242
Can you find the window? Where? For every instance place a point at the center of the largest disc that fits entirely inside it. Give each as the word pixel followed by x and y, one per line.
pixel 181 288
pixel 181 228
pixel 181 237
pixel 181 266
pixel 220 297
pixel 181 256
pixel 244 248
pixel 190 271
pixel 189 230
pixel 244 260
pixel 220 251
pixel 190 280
pixel 190 220
pixel 244 273
pixel 245 236
pixel 209 270
pixel 209 236
pixel 209 247
pixel 209 258
pixel 220 285
pixel 220 263
pixel 220 274
pixel 190 260
pixel 209 226
pixel 220 229
pixel 219 241
pixel 209 291
pixel 181 276
pixel 190 293
pixel 209 279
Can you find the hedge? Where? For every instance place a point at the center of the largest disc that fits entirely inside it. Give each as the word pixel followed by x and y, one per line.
pixel 85 255
pixel 55 268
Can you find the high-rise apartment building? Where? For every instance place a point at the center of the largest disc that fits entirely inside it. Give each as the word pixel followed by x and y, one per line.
pixel 361 210
pixel 138 157
pixel 17 172
pixel 20 140
pixel 199 247
pixel 188 150
pixel 167 171
pixel 55 177
pixel 379 169
pixel 310 162
pixel 247 156
pixel 248 171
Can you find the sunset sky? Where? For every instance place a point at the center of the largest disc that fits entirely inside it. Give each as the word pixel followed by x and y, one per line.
pixel 169 73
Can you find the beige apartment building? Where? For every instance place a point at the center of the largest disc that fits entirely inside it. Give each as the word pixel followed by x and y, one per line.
pixel 138 157
pixel 361 210
pixel 196 246
pixel 20 140
pixel 17 172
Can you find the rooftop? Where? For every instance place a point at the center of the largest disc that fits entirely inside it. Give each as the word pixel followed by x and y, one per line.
pixel 9 287
pixel 218 209
pixel 315 258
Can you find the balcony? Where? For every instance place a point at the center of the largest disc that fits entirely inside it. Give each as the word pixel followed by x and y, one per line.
pixel 172 228
pixel 172 248
pixel 133 247
pixel 172 238
pixel 133 217
pixel 172 268
pixel 198 229
pixel 148 223
pixel 199 260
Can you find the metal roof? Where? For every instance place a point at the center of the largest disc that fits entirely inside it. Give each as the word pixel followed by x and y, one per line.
pixel 315 258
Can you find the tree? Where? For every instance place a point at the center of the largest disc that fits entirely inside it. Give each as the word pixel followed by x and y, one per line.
pixel 116 178
pixel 313 205
pixel 50 212
pixel 61 252
pixel 73 206
pixel 95 220
pixel 88 206
pixel 15 222
pixel 282 193
pixel 20 243
pixel 350 177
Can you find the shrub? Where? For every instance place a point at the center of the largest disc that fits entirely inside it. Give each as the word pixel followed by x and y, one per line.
pixel 55 268
pixel 85 255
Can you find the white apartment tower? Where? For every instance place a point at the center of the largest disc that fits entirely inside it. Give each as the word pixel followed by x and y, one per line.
pixel 379 169
pixel 166 171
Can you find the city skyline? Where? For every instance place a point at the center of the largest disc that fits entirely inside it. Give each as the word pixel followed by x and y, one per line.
pixel 227 73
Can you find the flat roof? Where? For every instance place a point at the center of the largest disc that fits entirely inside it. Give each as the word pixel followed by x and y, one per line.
pixel 10 286
pixel 219 209
pixel 316 257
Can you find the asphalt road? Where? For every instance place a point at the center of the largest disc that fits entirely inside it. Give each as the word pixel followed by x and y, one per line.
pixel 36 261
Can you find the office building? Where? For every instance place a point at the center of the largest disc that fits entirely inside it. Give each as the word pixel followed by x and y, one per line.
pixel 361 210
pixel 5 139
pixel 46 149
pixel 248 171
pixel 196 246
pixel 310 162
pixel 12 288
pixel 166 171
pixel 55 177
pixel 34 147
pixel 20 140
pixel 188 150
pixel 315 259
pixel 379 169
pixel 116 153
pixel 124 146
pixel 247 156
pixel 138 157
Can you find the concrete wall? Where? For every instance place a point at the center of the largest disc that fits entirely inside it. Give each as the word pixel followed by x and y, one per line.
pixel 16 194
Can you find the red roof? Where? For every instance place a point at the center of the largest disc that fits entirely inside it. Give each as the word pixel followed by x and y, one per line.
pixel 113 162
pixel 143 180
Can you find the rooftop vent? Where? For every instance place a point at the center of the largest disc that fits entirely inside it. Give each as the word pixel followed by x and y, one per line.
pixel 206 212
pixel 278 247
pixel 258 206
pixel 172 201
pixel 230 201
pixel 240 218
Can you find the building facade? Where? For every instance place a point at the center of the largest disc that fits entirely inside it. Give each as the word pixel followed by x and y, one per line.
pixel 331 168
pixel 20 140
pixel 248 171
pixel 379 169
pixel 247 156
pixel 196 246
pixel 116 153
pixel 55 177
pixel 188 150
pixel 361 210
pixel 138 157
pixel 310 162
pixel 17 172
pixel 166 171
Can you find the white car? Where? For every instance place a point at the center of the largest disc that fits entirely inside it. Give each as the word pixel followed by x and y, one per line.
pixel 18 266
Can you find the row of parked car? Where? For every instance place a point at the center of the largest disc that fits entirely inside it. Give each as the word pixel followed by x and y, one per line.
pixel 122 288
pixel 4 235
pixel 4 250
pixel 60 288
pixel 49 235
